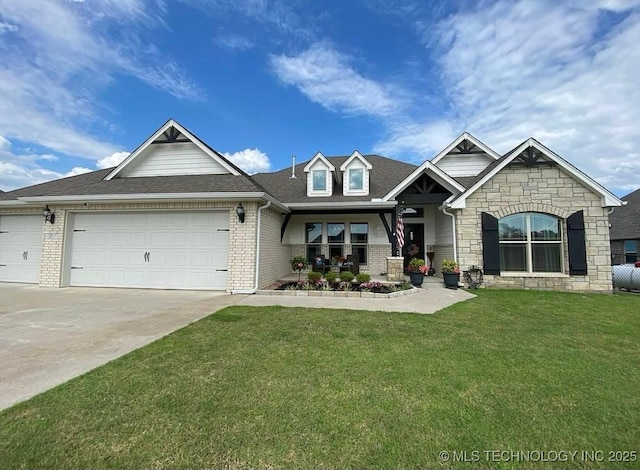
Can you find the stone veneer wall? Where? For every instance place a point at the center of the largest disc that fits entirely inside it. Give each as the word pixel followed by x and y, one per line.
pixel 242 244
pixel 538 189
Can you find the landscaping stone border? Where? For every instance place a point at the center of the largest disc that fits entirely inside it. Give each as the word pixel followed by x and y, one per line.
pixel 337 293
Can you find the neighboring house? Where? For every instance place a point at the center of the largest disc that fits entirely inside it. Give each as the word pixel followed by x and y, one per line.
pixel 624 230
pixel 177 214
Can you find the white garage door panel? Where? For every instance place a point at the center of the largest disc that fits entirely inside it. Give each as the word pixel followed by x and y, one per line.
pixel 20 248
pixel 169 250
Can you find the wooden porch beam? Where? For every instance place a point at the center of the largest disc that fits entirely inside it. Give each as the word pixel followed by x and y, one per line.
pixel 287 218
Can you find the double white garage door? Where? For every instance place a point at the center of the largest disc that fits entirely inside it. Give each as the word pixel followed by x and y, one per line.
pixel 165 250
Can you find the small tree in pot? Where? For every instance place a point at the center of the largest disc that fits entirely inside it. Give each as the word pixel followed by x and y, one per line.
pixel 298 263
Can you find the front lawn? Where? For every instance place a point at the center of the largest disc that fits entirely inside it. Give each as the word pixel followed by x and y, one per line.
pixel 302 388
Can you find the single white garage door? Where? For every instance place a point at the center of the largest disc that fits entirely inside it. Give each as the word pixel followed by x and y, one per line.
pixel 20 248
pixel 162 250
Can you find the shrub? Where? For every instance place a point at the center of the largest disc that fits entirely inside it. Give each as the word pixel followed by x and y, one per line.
pixel 331 277
pixel 314 277
pixel 406 285
pixel 346 276
pixel 363 277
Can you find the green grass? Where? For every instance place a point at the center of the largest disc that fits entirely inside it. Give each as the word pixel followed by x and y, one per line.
pixel 304 388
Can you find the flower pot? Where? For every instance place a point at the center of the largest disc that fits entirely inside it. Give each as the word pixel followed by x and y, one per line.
pixel 451 280
pixel 416 278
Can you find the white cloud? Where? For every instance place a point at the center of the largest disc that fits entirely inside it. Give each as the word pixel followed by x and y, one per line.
pixel 233 42
pixel 20 169
pixel 7 27
pixel 112 160
pixel 77 170
pixel 421 139
pixel 64 54
pixel 326 77
pixel 250 160
pixel 280 17
pixel 48 157
pixel 575 92
pixel 545 69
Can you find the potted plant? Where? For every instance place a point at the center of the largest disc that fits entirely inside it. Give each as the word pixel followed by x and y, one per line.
pixel 450 273
pixel 417 269
pixel 338 260
pixel 298 263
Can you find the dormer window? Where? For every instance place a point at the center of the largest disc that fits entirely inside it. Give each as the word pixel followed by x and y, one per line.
pixel 319 180
pixel 355 175
pixel 356 179
pixel 319 176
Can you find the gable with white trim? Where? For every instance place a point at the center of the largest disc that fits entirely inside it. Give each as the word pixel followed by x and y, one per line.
pixel 172 151
pixel 532 153
pixel 179 158
pixel 465 156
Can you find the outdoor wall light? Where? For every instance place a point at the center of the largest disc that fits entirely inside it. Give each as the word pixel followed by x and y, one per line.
pixel 240 212
pixel 48 215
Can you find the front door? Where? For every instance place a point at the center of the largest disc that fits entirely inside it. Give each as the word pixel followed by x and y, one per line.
pixel 413 242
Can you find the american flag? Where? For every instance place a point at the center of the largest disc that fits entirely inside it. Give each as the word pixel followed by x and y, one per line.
pixel 400 233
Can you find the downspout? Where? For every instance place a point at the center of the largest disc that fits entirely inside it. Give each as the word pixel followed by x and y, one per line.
pixel 258 226
pixel 453 227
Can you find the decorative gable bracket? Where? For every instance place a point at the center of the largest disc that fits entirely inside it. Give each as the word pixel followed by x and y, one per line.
pixel 532 157
pixel 172 135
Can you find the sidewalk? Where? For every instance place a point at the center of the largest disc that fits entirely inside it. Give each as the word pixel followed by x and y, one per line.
pixel 431 297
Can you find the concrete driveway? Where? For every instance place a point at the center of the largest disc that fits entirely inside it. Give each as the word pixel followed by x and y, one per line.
pixel 48 336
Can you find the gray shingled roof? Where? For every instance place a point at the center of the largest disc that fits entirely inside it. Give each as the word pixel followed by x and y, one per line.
pixel 625 220
pixel 385 175
pixel 465 181
pixel 92 183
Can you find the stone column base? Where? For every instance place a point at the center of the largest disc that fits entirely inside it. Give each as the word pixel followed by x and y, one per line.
pixel 395 268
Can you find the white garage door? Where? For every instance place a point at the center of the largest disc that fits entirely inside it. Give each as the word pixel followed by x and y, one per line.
pixel 20 247
pixel 163 250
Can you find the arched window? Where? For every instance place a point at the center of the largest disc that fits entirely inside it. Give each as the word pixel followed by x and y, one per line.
pixel 530 242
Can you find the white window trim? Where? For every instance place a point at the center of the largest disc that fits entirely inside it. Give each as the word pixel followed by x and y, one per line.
pixel 529 252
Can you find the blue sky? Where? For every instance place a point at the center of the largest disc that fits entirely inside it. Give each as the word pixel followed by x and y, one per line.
pixel 83 82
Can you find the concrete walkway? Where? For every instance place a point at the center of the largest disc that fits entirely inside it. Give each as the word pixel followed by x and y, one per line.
pixel 431 297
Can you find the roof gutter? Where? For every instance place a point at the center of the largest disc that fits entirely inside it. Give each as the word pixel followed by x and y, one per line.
pixel 343 205
pixel 142 197
pixel 443 208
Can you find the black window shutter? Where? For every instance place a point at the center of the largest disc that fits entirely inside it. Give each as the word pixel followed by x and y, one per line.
pixel 490 244
pixel 576 244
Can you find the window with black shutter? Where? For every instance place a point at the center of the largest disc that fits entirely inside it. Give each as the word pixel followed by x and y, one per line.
pixel 490 244
pixel 576 244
